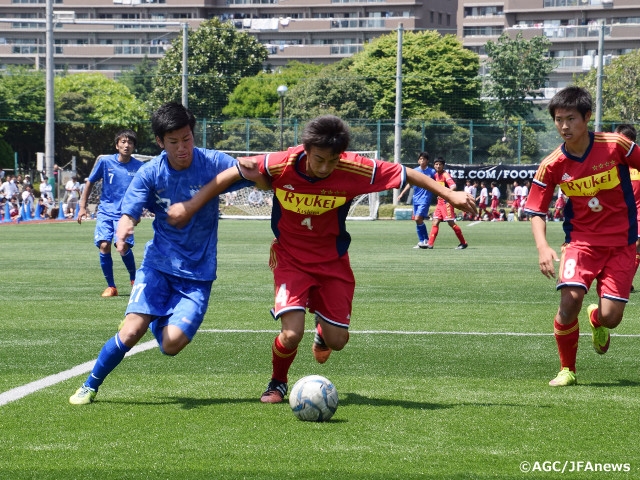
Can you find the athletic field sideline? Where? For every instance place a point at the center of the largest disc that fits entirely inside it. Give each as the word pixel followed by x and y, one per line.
pixel 445 375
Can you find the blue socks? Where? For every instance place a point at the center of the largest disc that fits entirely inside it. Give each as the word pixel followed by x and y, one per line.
pixel 423 235
pixel 130 263
pixel 106 262
pixel 109 358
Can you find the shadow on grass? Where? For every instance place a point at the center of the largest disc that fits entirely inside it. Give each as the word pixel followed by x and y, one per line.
pixel 616 383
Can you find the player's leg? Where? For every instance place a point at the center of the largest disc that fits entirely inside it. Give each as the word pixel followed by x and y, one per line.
pixel 434 227
pixel 637 262
pixel 451 220
pixel 283 351
pixel 566 331
pixel 103 235
pixel 420 212
pixel 110 356
pixel 129 261
pixel 332 302
pixel 614 286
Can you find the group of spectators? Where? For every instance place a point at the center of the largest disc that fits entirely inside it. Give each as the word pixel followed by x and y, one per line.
pixel 488 202
pixel 18 195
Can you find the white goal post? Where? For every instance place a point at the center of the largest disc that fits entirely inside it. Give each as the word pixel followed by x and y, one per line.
pixel 239 205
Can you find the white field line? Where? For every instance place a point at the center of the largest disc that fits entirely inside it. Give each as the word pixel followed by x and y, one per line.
pixel 24 390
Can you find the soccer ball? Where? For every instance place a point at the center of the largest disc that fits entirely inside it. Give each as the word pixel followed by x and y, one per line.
pixel 313 399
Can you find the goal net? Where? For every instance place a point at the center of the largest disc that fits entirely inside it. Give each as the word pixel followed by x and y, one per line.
pixel 252 204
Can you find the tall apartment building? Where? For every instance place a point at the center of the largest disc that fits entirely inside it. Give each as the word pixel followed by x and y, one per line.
pixel 112 35
pixel 573 26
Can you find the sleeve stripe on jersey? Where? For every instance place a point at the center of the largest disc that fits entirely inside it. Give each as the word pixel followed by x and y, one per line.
pixel 539 183
pixel 542 169
pixel 358 168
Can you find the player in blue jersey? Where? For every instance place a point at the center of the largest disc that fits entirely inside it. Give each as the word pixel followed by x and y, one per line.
pixel 116 172
pixel 421 200
pixel 171 291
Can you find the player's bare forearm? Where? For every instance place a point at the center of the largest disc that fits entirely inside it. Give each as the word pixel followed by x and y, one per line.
pixel 179 214
pixel 546 255
pixel 126 225
pixel 82 207
pixel 460 200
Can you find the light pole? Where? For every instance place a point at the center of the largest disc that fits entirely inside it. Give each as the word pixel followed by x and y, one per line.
pixel 282 92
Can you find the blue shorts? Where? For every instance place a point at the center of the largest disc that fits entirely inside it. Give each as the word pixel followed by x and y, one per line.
pixel 421 210
pixel 172 300
pixel 106 231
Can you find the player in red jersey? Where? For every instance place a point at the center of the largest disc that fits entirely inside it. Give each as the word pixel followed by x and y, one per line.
pixel 314 185
pixel 601 227
pixel 444 210
pixel 629 131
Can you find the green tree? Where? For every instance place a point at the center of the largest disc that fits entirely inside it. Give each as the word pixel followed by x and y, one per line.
pixel 22 112
pixel 90 109
pixel 438 74
pixel 518 70
pixel 219 57
pixel 257 97
pixel 620 101
pixel 140 80
pixel 335 90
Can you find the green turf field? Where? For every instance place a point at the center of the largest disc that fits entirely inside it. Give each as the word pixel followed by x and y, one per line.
pixel 445 375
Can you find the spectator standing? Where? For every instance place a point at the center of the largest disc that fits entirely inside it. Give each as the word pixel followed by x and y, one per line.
pixel 495 201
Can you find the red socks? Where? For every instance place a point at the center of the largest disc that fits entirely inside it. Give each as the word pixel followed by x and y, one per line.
pixel 567 341
pixel 458 231
pixel 281 359
pixel 433 235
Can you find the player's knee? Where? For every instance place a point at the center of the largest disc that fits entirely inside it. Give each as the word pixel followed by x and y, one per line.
pixel 172 348
pixel 337 342
pixel 290 338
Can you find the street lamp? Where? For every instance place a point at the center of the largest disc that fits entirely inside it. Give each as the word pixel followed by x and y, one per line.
pixel 282 92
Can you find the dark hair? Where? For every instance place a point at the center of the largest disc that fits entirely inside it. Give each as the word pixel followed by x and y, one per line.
pixel 129 134
pixel 439 159
pixel 326 131
pixel 627 130
pixel 572 97
pixel 169 117
pixel 424 154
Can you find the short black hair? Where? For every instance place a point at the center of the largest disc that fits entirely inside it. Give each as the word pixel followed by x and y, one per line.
pixel 169 117
pixel 572 97
pixel 424 154
pixel 130 134
pixel 326 131
pixel 440 160
pixel 627 130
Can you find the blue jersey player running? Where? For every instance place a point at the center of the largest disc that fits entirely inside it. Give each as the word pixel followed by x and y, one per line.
pixel 171 291
pixel 116 172
pixel 421 200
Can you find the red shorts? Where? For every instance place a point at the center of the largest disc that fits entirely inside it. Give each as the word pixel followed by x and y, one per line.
pixel 326 289
pixel 444 212
pixel 495 203
pixel 516 204
pixel 612 267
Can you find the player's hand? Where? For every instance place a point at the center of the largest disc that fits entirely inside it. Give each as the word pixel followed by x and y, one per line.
pixel 179 214
pixel 463 201
pixel 125 228
pixel 546 258
pixel 82 213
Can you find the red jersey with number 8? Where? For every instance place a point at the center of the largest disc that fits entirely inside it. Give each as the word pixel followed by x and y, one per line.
pixel 600 208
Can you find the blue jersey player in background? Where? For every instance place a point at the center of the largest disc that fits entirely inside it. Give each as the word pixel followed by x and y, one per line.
pixel 421 200
pixel 171 291
pixel 116 172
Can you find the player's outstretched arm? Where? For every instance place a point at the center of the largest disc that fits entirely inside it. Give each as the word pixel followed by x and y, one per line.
pixel 460 200
pixel 546 254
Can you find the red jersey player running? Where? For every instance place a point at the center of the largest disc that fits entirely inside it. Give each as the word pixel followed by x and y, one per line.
pixel 314 184
pixel 444 210
pixel 600 225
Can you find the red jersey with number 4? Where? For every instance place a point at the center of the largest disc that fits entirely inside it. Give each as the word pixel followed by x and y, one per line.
pixel 600 208
pixel 309 214
pixel 446 180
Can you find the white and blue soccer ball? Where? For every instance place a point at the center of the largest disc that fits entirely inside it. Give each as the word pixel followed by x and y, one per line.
pixel 313 399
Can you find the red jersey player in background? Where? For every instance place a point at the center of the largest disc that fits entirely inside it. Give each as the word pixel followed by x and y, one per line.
pixel 314 184
pixel 600 225
pixel 630 132
pixel 444 210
